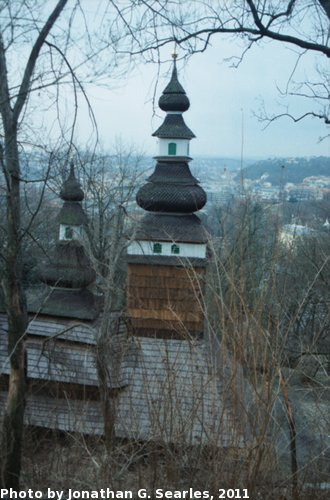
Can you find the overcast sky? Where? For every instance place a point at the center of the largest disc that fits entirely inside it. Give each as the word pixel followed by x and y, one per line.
pixel 221 98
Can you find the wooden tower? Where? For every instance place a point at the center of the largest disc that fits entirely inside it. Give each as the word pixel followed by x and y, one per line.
pixel 69 271
pixel 167 257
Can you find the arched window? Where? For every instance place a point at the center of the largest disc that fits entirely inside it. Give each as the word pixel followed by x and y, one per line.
pixel 175 249
pixel 172 148
pixel 157 248
pixel 68 234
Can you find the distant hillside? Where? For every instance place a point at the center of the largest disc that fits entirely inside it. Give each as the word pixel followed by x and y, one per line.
pixel 295 169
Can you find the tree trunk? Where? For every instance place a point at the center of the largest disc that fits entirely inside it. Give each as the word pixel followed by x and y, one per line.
pixel 12 431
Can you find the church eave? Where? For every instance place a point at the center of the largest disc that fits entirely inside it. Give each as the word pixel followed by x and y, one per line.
pixel 174 127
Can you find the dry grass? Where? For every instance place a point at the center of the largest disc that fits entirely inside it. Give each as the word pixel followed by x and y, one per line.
pixel 62 461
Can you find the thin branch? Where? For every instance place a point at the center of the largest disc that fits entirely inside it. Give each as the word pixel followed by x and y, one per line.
pixel 323 117
pixel 25 85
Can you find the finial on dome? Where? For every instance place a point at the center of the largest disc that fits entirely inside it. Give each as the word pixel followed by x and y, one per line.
pixel 72 174
pixel 70 161
pixel 174 54
pixel 174 96
pixel 71 189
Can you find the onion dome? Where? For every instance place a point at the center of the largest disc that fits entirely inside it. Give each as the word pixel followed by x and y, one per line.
pixel 171 188
pixel 174 96
pixel 71 189
pixel 72 213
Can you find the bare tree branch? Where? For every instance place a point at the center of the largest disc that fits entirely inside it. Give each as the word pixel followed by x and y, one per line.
pixel 26 81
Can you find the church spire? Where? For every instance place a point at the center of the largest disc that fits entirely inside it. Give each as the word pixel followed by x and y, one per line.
pixel 172 188
pixel 170 239
pixel 174 98
pixel 71 189
pixel 72 217
pixel 70 267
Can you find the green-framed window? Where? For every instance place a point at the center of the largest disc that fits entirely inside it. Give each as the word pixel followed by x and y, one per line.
pixel 175 249
pixel 172 149
pixel 157 248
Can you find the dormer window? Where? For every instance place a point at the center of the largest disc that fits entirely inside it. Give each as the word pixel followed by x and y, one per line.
pixel 172 149
pixel 68 233
pixel 175 249
pixel 157 248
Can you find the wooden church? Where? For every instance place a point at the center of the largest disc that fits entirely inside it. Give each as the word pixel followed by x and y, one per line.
pixel 161 378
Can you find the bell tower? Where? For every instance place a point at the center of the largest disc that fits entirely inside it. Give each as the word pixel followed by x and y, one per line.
pixel 167 257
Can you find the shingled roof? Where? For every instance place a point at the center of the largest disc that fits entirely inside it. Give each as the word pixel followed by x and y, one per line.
pixel 169 391
pixel 173 396
pixel 166 227
pixel 79 304
pixel 174 127
pixel 65 352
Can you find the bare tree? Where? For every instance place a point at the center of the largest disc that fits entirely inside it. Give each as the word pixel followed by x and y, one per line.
pixel 302 25
pixel 30 84
pixel 11 110
pixel 110 181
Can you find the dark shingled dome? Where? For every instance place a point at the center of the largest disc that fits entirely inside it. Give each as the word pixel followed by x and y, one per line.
pixel 71 189
pixel 173 172
pixel 171 188
pixel 171 198
pixel 174 96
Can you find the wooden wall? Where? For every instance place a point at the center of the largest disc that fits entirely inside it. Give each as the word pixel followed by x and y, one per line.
pixel 165 301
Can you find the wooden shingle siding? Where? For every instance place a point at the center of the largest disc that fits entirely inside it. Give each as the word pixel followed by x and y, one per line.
pixel 161 304
pixel 167 325
pixel 167 282
pixel 147 270
pixel 174 295
pixel 170 314
pixel 165 298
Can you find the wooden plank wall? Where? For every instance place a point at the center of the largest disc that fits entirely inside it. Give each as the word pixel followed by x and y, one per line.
pixel 165 300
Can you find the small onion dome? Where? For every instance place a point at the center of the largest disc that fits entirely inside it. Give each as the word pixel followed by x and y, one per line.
pixel 174 96
pixel 71 189
pixel 70 267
